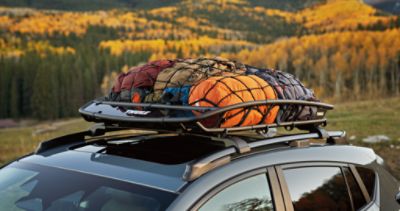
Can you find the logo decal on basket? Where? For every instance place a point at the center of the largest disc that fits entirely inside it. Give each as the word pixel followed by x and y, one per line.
pixel 137 112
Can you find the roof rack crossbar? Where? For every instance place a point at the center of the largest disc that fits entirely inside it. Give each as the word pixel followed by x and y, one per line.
pixel 262 126
pixel 210 162
pixel 296 137
pixel 321 131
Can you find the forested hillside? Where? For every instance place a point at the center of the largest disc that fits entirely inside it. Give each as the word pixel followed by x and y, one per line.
pixel 91 5
pixel 392 6
pixel 52 61
pixel 87 5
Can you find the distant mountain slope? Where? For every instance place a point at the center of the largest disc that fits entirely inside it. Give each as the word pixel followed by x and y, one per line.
pixel 288 5
pixel 392 6
pixel 86 5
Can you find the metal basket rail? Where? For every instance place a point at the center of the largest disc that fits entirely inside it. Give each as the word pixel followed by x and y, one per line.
pixel 191 118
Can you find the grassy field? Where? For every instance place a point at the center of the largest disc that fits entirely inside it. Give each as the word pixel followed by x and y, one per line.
pixel 370 118
pixel 366 118
pixel 359 119
pixel 15 142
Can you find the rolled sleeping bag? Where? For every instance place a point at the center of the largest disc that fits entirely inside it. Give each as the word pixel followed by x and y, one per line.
pixel 288 87
pixel 229 90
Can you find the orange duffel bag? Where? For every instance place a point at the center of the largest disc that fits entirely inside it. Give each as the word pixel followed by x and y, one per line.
pixel 229 90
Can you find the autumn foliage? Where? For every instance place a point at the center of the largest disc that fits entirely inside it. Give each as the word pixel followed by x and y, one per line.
pixel 338 64
pixel 52 61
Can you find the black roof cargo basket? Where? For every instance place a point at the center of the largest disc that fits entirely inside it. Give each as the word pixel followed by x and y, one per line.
pixel 191 118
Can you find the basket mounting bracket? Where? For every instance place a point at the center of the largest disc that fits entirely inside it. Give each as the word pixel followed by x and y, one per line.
pixel 240 145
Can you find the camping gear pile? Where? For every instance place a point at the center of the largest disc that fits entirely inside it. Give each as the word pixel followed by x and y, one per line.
pixel 216 82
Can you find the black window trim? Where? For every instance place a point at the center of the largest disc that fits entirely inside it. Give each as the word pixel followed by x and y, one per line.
pixel 348 187
pixel 274 186
pixel 360 183
pixel 285 190
pixel 374 198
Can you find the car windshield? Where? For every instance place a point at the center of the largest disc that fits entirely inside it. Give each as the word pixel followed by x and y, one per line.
pixel 33 187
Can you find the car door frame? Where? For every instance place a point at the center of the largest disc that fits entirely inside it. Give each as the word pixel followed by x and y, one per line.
pixel 273 183
pixel 285 190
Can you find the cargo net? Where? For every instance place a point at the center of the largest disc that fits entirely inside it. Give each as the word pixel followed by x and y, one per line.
pixel 288 87
pixel 217 82
pixel 173 84
pixel 229 90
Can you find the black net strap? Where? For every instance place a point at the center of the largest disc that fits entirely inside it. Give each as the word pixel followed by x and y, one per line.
pixel 245 112
pixel 203 69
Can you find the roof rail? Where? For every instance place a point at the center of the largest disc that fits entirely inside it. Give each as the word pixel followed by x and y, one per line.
pixel 202 166
pixel 191 118
pixel 67 141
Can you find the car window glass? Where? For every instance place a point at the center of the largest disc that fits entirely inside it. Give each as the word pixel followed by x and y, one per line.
pixel 12 188
pixel 118 200
pixel 368 177
pixel 355 191
pixel 249 194
pixel 71 200
pixel 317 188
pixel 33 187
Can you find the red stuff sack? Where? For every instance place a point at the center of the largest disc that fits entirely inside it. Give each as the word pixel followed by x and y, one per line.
pixel 138 81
